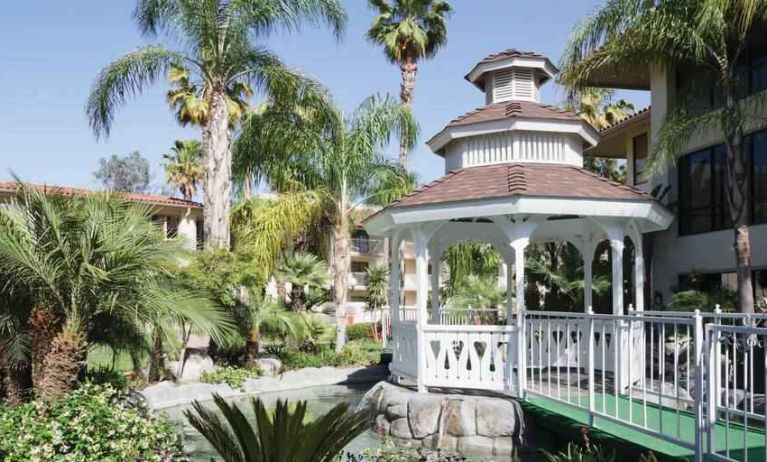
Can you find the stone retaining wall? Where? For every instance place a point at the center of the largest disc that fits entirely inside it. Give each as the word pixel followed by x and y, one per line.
pixel 448 421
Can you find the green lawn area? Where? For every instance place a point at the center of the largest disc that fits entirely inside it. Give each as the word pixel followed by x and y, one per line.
pixel 104 357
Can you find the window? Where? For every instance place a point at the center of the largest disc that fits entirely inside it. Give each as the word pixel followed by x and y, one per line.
pixel 172 227
pixel 640 151
pixel 702 205
pixel 759 178
pixel 359 267
pixel 200 231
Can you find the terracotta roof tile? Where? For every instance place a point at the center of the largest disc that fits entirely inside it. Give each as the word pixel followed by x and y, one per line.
pixel 523 179
pixel 10 188
pixel 510 109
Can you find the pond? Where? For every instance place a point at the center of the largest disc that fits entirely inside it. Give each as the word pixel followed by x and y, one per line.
pixel 319 400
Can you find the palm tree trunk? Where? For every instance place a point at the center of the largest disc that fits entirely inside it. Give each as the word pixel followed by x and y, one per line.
pixel 252 345
pixel 218 172
pixel 407 92
pixel 340 268
pixel 188 193
pixel 43 327
pixel 157 363
pixel 297 297
pixel 65 361
pixel 738 198
pixel 16 382
pixel 138 370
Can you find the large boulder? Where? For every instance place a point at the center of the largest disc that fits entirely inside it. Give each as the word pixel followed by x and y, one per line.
pixel 459 417
pixel 423 415
pixel 270 366
pixel 196 361
pixel 496 419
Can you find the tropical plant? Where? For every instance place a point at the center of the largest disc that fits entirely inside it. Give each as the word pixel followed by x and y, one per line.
pixel 392 453
pixel 334 175
pixel 283 435
pixel 378 292
pixel 217 52
pixel 596 106
pixel 91 424
pixel 577 453
pixel 263 315
pixel 191 106
pixel 467 259
pixel 128 174
pixel 302 271
pixel 710 36
pixel 233 376
pixel 183 167
pixel 409 31
pixel 15 340
pixel 92 262
pixel 606 168
pixel 476 292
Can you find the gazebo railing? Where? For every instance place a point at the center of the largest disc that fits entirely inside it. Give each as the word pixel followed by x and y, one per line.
pixel 472 316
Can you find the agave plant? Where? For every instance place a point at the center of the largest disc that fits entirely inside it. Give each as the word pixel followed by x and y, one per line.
pixel 282 435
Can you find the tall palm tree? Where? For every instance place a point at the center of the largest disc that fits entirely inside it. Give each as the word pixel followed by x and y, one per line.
pixel 184 167
pixel 302 271
pixel 709 35
pixel 215 39
pixel 409 31
pixel 596 106
pixel 92 260
pixel 287 434
pixel 337 170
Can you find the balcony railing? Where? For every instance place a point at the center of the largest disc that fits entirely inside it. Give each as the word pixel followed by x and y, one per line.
pixel 366 246
pixel 358 279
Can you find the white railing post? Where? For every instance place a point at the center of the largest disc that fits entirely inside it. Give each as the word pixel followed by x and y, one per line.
pixel 521 353
pixel 590 363
pixel 700 425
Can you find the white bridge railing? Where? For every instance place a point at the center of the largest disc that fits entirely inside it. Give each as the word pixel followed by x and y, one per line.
pixel 695 379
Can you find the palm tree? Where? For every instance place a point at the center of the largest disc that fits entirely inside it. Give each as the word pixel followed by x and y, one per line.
pixel 15 342
pixel 184 167
pixel 336 171
pixel 263 314
pixel 596 106
pixel 409 31
pixel 90 261
pixel 378 291
pixel 302 271
pixel 287 434
pixel 709 35
pixel 216 47
pixel 467 259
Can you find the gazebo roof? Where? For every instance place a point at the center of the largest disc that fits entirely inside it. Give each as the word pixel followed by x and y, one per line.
pixel 519 179
pixel 509 109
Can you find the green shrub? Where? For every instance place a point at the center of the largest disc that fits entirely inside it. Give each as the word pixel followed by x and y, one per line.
pixel 91 424
pixel 107 376
pixel 360 331
pixel 355 353
pixel 578 453
pixel 393 454
pixel 233 376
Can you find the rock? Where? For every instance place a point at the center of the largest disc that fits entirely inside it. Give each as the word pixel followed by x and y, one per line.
pixel 400 429
pixel 503 446
pixel 423 415
pixel 270 366
pixel 396 411
pixel 668 392
pixel 458 417
pixel 392 396
pixel 496 418
pixel 382 425
pixel 444 442
pixel 475 443
pixel 197 362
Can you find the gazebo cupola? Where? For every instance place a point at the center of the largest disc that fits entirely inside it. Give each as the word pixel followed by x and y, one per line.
pixel 513 126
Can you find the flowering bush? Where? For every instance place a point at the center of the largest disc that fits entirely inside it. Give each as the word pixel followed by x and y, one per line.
pixel 88 425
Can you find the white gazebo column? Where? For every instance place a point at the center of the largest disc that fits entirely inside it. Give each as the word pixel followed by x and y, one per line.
pixel 638 274
pixel 435 262
pixel 519 245
pixel 394 282
pixel 617 246
pixel 509 293
pixel 422 286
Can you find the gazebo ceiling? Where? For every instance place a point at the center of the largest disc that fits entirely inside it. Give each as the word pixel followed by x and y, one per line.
pixel 557 194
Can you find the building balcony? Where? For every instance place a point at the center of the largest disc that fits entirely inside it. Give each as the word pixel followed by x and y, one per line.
pixel 358 279
pixel 366 246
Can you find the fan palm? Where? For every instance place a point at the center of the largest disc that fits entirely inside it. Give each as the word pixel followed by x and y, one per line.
pixel 409 31
pixel 89 259
pixel 216 47
pixel 708 35
pixel 337 171
pixel 302 271
pixel 184 167
pixel 286 434
pixel 262 315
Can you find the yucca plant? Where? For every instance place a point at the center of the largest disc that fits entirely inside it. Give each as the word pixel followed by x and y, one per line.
pixel 282 435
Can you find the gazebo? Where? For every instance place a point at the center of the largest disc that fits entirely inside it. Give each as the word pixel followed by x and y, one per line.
pixel 514 176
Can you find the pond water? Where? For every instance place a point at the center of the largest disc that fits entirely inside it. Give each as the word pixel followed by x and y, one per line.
pixel 319 400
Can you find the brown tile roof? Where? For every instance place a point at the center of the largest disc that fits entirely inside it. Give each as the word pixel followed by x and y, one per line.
pixel 519 179
pixel 640 113
pixel 10 188
pixel 510 109
pixel 511 53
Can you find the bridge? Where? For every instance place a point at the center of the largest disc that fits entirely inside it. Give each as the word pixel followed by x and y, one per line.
pixel 685 385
